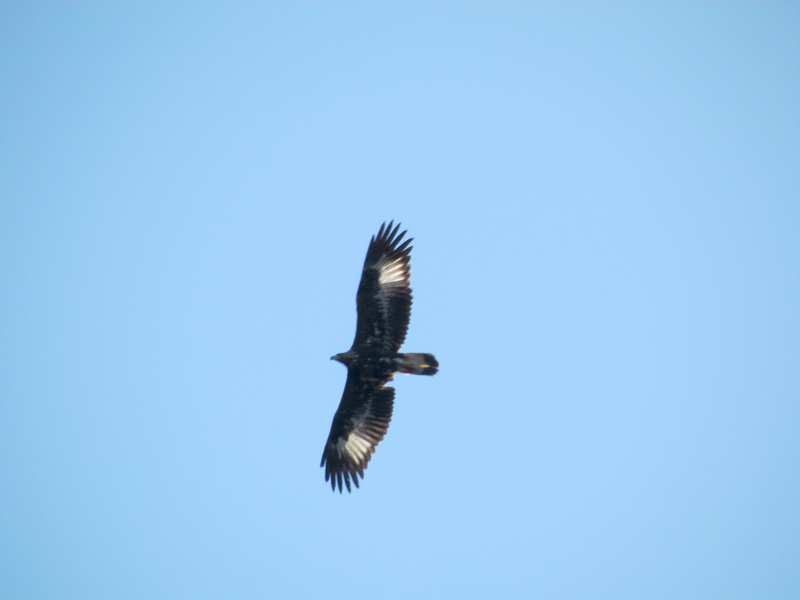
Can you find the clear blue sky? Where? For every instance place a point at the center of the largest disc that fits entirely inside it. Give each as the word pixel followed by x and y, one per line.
pixel 605 202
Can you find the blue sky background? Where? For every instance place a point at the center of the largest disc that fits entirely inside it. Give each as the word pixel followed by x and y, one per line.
pixel 606 207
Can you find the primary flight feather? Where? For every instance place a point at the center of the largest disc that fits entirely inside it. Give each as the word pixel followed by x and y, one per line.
pixel 384 310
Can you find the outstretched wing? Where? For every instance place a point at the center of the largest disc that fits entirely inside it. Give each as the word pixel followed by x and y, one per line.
pixel 359 425
pixel 384 294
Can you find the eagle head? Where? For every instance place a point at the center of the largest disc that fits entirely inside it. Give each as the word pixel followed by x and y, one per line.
pixel 343 357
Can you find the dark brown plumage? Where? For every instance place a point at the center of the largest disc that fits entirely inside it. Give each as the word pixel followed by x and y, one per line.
pixel 384 310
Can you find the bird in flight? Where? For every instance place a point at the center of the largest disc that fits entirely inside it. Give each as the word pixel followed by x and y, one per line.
pixel 383 302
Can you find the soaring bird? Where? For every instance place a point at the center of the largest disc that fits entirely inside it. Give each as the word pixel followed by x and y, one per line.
pixel 384 310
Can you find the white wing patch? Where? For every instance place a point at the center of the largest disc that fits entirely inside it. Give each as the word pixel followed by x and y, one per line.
pixel 392 272
pixel 354 446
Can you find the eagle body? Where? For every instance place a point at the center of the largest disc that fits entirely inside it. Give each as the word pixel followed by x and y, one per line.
pixel 384 310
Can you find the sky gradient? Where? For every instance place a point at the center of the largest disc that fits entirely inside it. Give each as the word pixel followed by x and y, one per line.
pixel 605 201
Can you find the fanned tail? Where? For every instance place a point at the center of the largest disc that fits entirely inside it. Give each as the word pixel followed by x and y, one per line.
pixel 417 363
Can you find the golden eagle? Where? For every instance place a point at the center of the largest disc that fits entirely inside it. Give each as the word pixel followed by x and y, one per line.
pixel 384 309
